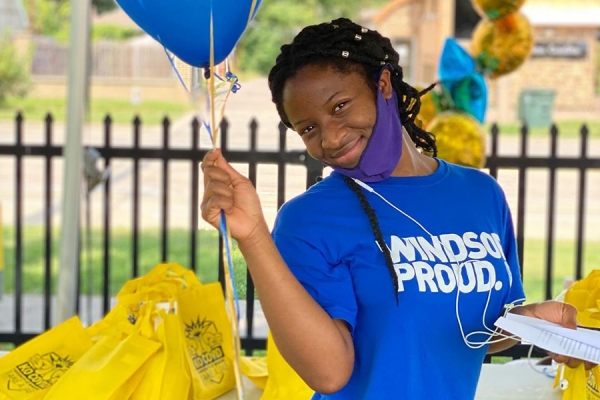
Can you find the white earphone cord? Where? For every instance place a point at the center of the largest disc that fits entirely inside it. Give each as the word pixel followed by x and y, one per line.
pixel 491 333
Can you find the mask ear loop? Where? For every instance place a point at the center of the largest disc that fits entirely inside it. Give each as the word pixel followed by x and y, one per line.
pixel 457 275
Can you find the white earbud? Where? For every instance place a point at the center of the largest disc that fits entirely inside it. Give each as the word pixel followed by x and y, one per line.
pixel 563 384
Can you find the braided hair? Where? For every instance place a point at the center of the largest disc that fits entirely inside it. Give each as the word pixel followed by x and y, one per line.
pixel 348 48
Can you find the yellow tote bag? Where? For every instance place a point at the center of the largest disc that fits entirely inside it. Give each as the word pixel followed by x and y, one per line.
pixel 30 370
pixel 283 382
pixel 168 375
pixel 106 369
pixel 177 382
pixel 115 322
pixel 209 340
pixel 579 382
pixel 255 369
pixel 174 275
pixel 126 391
pixel 585 296
pixel 172 272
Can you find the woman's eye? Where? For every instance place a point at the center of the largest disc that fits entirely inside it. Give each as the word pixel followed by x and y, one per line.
pixel 339 107
pixel 308 129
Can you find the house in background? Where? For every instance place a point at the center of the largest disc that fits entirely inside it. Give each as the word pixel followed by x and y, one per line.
pixel 13 16
pixel 564 59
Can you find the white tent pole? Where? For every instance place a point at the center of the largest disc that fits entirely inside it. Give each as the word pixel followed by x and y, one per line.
pixel 73 158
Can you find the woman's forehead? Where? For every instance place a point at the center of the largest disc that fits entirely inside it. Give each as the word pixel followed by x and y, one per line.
pixel 321 79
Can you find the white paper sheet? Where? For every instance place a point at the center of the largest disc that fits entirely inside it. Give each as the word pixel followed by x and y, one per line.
pixel 579 343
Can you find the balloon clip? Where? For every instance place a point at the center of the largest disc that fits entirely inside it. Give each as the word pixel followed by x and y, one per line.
pixel 233 78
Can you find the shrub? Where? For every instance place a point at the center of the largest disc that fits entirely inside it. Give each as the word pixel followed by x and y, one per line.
pixel 113 32
pixel 14 71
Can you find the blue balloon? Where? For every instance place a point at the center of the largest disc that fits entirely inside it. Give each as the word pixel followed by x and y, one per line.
pixel 183 26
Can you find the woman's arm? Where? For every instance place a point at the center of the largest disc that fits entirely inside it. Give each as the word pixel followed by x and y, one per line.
pixel 319 348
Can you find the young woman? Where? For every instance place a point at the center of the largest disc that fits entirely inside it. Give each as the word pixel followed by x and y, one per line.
pixel 382 281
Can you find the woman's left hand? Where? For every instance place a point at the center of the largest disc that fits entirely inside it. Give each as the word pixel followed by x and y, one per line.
pixel 559 313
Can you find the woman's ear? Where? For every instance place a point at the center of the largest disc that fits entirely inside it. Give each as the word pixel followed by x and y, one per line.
pixel 385 84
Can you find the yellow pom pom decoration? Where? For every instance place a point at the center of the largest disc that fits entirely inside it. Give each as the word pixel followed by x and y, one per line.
pixel 459 138
pixel 502 45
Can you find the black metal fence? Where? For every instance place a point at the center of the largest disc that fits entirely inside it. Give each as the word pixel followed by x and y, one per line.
pixel 252 157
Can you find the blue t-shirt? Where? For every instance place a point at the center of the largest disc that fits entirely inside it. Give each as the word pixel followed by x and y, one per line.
pixel 412 349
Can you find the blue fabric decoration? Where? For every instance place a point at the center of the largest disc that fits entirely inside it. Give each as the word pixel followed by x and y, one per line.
pixel 183 26
pixel 460 76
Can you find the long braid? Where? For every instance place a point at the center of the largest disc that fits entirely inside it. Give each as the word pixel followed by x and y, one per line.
pixel 376 229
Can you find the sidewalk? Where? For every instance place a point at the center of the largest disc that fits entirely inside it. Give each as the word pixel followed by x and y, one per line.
pixel 33 314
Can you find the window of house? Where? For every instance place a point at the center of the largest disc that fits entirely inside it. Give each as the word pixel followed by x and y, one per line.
pixel 465 20
pixel 404 49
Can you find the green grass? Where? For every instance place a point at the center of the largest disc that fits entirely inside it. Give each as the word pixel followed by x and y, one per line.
pixel 207 260
pixel 566 129
pixel 563 264
pixel 120 258
pixel 121 111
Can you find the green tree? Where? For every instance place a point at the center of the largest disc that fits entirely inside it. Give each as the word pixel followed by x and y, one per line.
pixel 277 22
pixel 51 17
pixel 14 75
pixel 104 5
pixel 113 32
pixel 48 17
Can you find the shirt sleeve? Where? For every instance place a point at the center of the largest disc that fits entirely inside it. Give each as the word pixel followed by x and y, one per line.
pixel 328 281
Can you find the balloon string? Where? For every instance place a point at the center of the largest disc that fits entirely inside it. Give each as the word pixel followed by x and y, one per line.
pixel 252 10
pixel 211 84
pixel 230 291
pixel 231 85
pixel 232 303
pixel 171 60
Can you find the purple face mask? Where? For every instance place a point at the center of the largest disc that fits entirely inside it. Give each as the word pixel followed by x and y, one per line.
pixel 383 151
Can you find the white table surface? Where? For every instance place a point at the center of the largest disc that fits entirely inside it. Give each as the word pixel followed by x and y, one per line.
pixel 516 381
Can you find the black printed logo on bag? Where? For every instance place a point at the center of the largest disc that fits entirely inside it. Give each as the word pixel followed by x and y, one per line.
pixel 38 373
pixel 592 388
pixel 205 345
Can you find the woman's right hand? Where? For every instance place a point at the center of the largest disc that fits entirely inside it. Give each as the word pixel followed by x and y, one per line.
pixel 228 190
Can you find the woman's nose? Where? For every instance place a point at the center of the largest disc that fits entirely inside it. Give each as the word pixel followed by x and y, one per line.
pixel 333 135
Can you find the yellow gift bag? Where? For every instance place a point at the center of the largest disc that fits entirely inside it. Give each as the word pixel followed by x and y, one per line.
pixel 585 296
pixel 30 370
pixel 117 320
pixel 579 383
pixel 209 340
pixel 255 369
pixel 109 368
pixel 283 382
pixel 203 330
pixel 167 376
